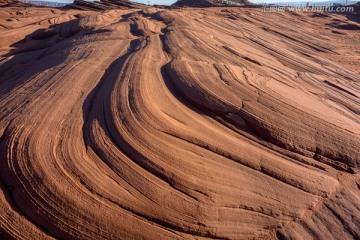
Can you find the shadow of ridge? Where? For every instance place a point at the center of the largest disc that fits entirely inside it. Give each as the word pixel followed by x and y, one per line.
pixel 15 72
pixel 38 51
pixel 26 63
pixel 94 110
pixel 39 38
pixel 6 190
pixel 42 49
pixel 8 185
pixel 113 69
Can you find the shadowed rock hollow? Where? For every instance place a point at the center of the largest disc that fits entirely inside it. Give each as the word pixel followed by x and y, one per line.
pixel 178 124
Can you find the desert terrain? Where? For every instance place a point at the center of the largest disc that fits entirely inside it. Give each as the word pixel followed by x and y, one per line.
pixel 134 122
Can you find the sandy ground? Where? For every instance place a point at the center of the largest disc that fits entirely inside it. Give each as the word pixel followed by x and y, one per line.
pixel 178 124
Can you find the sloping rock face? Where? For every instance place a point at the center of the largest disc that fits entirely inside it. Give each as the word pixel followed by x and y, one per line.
pixel 211 3
pixel 104 5
pixel 216 123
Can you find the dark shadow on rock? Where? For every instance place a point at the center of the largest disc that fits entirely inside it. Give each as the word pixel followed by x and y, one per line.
pixel 39 51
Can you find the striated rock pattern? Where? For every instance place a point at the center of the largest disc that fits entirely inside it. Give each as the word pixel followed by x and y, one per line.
pixel 209 3
pixel 104 5
pixel 178 124
pixel 192 3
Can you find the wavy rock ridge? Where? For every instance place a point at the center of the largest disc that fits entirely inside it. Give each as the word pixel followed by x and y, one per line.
pixel 210 3
pixel 178 124
pixel 104 5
